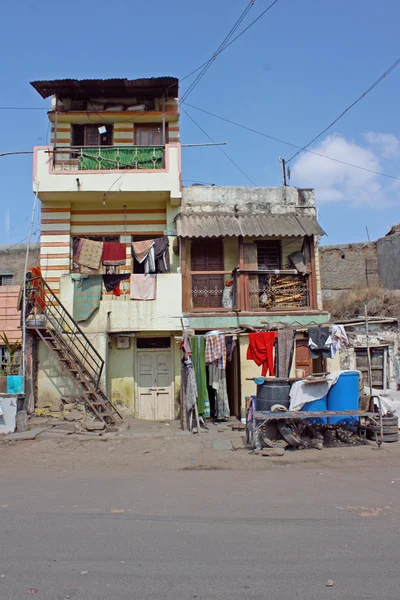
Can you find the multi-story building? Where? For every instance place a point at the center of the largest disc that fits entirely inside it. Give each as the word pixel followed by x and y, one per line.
pixel 112 174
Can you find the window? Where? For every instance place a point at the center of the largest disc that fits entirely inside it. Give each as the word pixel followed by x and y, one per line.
pixel 150 134
pixel 6 279
pixel 143 343
pixel 378 366
pixel 207 288
pixel 99 238
pixel 89 135
pixel 269 255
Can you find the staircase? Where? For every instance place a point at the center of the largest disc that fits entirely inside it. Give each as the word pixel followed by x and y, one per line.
pixel 48 318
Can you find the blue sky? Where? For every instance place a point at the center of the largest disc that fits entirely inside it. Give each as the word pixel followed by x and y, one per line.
pixel 289 76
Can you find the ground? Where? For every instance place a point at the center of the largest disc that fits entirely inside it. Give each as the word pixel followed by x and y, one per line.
pixel 153 513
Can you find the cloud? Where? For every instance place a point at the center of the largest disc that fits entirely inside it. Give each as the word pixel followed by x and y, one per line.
pixel 385 143
pixel 337 182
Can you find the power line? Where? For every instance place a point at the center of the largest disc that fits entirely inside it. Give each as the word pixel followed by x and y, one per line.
pixel 218 51
pixel 377 82
pixel 20 152
pixel 219 148
pixel 275 139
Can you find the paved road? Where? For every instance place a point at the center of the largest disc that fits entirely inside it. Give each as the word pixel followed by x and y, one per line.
pixel 277 535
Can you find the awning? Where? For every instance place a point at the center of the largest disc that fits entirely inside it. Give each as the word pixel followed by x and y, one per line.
pixel 201 225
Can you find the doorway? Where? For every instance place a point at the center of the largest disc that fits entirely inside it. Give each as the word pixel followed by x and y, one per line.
pixel 154 380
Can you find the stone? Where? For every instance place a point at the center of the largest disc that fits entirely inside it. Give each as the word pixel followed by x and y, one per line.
pixel 238 444
pixel 22 421
pixel 74 415
pixel 221 429
pixel 222 445
pixel 330 583
pixel 273 452
pixel 96 426
pixel 27 435
pixel 69 406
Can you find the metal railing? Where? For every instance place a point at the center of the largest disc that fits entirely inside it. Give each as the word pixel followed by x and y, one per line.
pixel 107 158
pixel 272 289
pixel 44 310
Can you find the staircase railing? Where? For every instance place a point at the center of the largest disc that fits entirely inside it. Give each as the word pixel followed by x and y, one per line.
pixel 42 304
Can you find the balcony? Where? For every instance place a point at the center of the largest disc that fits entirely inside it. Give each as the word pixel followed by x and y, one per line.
pixel 250 291
pixel 92 170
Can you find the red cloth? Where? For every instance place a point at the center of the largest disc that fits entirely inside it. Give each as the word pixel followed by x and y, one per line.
pixel 117 290
pixel 114 254
pixel 261 350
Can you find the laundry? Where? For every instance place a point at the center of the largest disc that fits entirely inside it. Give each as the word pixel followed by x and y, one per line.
pixel 143 287
pixel 191 385
pixel 114 254
pixel 149 262
pixel 261 350
pixel 216 349
pixel 319 342
pixel 87 295
pixel 185 345
pixel 161 254
pixel 112 281
pixel 90 254
pixel 285 351
pixel 217 380
pixel 230 343
pixel 339 337
pixel 140 250
pixel 199 364
pixel 302 392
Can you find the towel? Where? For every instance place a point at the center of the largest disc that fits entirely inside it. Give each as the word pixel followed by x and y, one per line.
pixel 199 364
pixel 140 250
pixel 87 296
pixel 143 287
pixel 90 254
pixel 114 254
pixel 261 350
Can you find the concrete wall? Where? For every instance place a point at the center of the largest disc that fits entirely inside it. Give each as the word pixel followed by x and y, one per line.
pixel 347 266
pixel 12 260
pixel 388 250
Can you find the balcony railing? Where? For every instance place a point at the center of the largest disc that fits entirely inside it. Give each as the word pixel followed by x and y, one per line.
pixel 107 158
pixel 251 290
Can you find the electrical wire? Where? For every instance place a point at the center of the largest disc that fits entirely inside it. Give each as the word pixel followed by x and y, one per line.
pixel 220 48
pixel 220 149
pixel 21 241
pixel 275 139
pixel 377 82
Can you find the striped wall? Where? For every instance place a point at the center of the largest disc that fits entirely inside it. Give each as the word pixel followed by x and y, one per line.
pixel 61 222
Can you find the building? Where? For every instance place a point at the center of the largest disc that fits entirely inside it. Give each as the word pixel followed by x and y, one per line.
pixel 112 174
pixel 12 266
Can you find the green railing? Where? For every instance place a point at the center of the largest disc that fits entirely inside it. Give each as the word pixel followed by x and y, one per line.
pixel 108 158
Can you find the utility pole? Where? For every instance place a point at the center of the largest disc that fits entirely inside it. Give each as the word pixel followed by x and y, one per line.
pixel 283 171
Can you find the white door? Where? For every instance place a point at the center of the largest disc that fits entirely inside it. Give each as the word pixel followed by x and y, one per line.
pixel 154 385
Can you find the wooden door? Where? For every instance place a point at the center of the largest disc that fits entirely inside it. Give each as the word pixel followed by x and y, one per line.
pixel 303 359
pixel 155 401
pixel 207 289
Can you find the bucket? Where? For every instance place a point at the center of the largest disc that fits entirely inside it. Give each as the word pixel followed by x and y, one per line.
pixel 344 395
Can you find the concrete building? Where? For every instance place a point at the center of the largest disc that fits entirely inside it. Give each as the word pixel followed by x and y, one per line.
pixel 113 174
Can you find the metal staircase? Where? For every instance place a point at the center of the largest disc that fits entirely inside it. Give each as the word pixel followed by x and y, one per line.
pixel 48 318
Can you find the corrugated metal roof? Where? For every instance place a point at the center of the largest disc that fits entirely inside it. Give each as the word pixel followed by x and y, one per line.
pixel 84 89
pixel 203 225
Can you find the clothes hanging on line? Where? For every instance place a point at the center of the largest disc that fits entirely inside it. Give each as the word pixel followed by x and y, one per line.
pixel 319 342
pixel 111 281
pixel 230 342
pixel 87 295
pixel 149 262
pixel 191 385
pixel 140 250
pixel 261 350
pixel 339 337
pixel 185 345
pixel 161 254
pixel 285 351
pixel 114 254
pixel 216 349
pixel 90 253
pixel 143 287
pixel 217 380
pixel 199 364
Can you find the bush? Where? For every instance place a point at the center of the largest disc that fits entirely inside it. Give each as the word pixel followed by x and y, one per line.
pixel 380 302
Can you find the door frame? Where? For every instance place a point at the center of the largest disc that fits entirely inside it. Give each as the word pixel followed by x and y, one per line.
pixel 136 370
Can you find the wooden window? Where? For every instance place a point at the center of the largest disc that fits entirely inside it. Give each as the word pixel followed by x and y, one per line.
pixel 378 367
pixel 89 135
pixel 150 134
pixel 207 289
pixel 269 255
pixel 6 279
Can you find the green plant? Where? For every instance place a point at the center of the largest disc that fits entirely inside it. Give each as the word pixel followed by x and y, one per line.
pixel 12 352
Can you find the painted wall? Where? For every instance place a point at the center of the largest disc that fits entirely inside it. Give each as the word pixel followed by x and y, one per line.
pixel 9 315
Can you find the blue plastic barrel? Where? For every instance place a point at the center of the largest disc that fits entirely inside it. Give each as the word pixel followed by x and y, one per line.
pixel 344 395
pixel 316 405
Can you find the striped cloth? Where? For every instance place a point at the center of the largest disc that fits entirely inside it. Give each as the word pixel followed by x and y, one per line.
pixel 216 350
